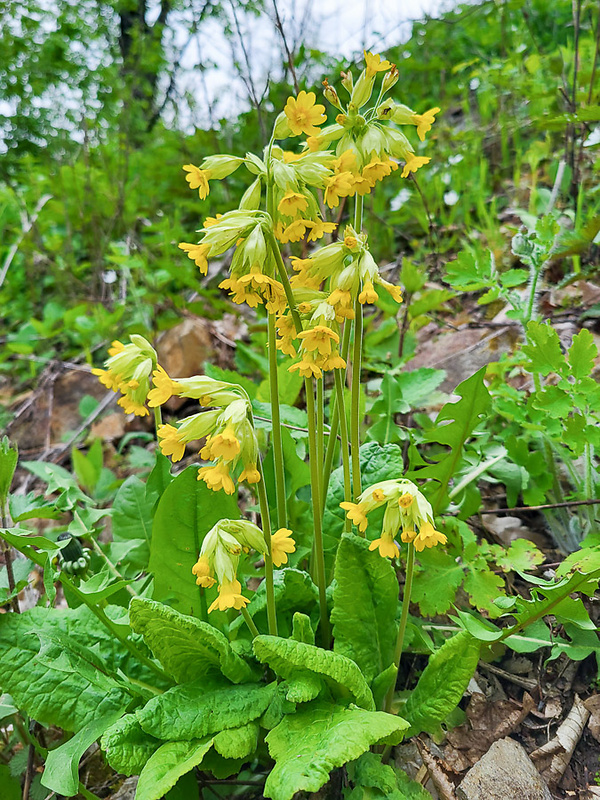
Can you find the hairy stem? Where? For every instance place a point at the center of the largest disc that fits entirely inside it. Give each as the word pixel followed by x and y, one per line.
pixel 265 519
pixel 355 405
pixel 276 429
pixel 249 622
pixel 339 390
pixel 7 551
pixel 410 564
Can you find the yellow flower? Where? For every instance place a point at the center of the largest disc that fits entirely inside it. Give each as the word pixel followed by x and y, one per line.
pixel 413 163
pixel 198 253
pixel 198 179
pixel 170 442
pixel 282 544
pixel 217 477
pixel 428 537
pixel 291 203
pixel 116 347
pixel 210 221
pixel 337 186
pixel 374 64
pixel 250 474
pixel 356 513
pixel 405 500
pixel 334 361
pixel 108 378
pixel 306 367
pixel 241 293
pixel 319 338
pixel 230 596
pixel 294 231
pixel 408 535
pixel 425 121
pixel 164 388
pixel 341 301
pixel 131 406
pixel 368 294
pixel 319 228
pixel 361 185
pixel 377 170
pixel 202 571
pixel 387 547
pixel 303 115
pixel 224 445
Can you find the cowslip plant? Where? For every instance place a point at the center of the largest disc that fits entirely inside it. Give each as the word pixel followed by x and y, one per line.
pixel 171 660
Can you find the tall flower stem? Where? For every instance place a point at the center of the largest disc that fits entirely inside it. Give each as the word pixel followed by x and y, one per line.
pixel 356 365
pixel 339 390
pixel 335 415
pixel 320 429
pixel 355 402
pixel 410 565
pixel 315 482
pixel 276 432
pixel 265 519
pixel 249 622
pixel 157 418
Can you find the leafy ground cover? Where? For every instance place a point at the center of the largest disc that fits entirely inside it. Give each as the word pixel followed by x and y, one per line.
pixel 389 343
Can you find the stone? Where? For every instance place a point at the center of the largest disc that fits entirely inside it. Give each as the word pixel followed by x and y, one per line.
pixel 505 771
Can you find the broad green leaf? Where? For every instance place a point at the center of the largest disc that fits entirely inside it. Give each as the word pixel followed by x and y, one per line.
pixel 158 479
pixel 367 773
pixel 303 686
pixel 204 707
pixel 436 581
pixel 237 742
pixel 442 684
pixel 7 707
pixel 127 747
pixel 522 555
pixel 531 639
pixel 186 512
pixel 470 272
pixel 453 426
pixel 9 457
pixel 287 657
pixel 382 683
pixel 31 506
pixel 582 353
pixel 61 772
pixel 51 685
pixel 186 647
pixel 482 585
pixel 389 402
pixel 554 401
pixel 132 519
pixel 418 385
pixel 11 787
pixel 185 788
pixel 302 630
pixel 365 600
pixel 167 765
pixel 543 348
pixel 318 738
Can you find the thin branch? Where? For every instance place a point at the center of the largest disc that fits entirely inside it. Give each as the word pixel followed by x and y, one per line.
pixel 566 504
pixel 290 58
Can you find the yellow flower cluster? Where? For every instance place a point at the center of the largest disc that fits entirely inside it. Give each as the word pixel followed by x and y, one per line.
pixel 406 509
pixel 228 428
pixel 128 370
pixel 318 342
pixel 220 555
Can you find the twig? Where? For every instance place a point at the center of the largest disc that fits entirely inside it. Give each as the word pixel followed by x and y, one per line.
pixel 565 504
pixel 279 26
pixel 526 683
pixel 441 781
pixel 27 223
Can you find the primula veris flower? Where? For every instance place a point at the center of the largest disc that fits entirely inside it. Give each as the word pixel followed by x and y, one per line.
pixel 413 163
pixel 282 543
pixel 217 477
pixel 202 571
pixel 291 203
pixel 128 370
pixel 198 253
pixel 337 186
pixel 374 64
pixel 304 115
pixel 198 179
pixel 164 388
pixel 230 596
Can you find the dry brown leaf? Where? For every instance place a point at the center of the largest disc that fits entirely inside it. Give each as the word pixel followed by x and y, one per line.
pixel 553 758
pixel 593 706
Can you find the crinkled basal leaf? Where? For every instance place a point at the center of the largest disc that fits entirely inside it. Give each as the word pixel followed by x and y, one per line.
pixel 197 709
pixel 51 689
pixel 442 683
pixel 377 463
pixel 543 348
pixel 186 511
pixel 186 647
pixel 365 599
pixel 319 737
pixel 237 742
pixel 127 747
pixel 302 629
pixel 368 775
pixel 303 686
pixel 287 657
pixel 453 426
pixel 61 773
pixel 167 765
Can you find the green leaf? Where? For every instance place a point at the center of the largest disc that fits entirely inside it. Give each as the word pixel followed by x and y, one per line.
pixel 61 772
pixel 52 685
pixel 543 348
pixel 522 555
pixel 287 657
pixel 302 630
pixel 127 747
pixel 389 402
pixel 186 647
pixel 237 742
pixel 365 599
pixel 436 581
pixel 535 636
pixel 203 707
pixel 442 684
pixel 418 385
pixel 31 506
pixel 187 510
pixel 367 773
pixel 11 787
pixel 582 353
pixel 8 463
pixel 167 765
pixel 158 479
pixel 318 738
pixel 132 519
pixel 482 585
pixel 453 426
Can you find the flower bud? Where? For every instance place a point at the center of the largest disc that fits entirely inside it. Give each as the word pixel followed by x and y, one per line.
pixel 347 81
pixel 221 166
pixel 331 95
pixel 251 198
pixel 281 129
pixel 390 78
